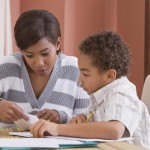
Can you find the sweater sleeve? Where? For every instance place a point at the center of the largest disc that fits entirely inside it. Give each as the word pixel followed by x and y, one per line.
pixel 63 116
pixel 82 101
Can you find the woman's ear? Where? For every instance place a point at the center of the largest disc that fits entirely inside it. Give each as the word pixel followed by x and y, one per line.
pixel 58 43
pixel 111 75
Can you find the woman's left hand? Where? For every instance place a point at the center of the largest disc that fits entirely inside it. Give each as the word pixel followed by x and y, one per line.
pixel 49 114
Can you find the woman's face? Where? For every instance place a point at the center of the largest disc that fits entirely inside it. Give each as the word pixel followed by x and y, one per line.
pixel 41 57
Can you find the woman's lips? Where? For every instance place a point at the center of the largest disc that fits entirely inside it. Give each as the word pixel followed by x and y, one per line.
pixel 85 89
pixel 42 71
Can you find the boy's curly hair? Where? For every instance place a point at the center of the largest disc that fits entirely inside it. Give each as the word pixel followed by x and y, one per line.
pixel 107 51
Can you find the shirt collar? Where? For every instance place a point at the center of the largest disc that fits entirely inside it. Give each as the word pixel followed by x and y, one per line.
pixel 101 94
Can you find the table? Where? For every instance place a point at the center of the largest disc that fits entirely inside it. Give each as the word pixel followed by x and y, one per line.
pixel 4 133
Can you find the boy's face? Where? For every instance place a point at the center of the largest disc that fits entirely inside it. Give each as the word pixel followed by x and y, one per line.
pixel 91 78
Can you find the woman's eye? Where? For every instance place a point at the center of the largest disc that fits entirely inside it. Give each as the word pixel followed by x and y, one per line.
pixel 45 54
pixel 29 55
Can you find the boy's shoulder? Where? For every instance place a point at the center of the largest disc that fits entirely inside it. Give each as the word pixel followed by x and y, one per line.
pixel 123 84
pixel 123 90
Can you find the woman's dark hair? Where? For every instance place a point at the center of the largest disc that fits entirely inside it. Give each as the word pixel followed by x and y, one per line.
pixel 107 51
pixel 35 25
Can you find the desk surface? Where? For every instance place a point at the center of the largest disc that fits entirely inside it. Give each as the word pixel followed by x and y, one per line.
pixel 4 133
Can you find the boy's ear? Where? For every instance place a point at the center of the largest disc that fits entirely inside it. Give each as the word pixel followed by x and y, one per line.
pixel 111 75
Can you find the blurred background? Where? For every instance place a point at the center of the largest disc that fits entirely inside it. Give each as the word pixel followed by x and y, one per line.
pixel 80 18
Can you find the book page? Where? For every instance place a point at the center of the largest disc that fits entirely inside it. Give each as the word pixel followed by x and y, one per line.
pixel 36 142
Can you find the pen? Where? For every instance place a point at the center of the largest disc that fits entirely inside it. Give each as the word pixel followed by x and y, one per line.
pixel 90 116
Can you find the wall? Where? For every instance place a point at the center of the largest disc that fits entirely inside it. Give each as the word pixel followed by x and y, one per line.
pixel 131 25
pixel 15 13
pixel 54 6
pixel 80 18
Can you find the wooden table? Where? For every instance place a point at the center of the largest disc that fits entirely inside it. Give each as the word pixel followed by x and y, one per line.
pixel 4 133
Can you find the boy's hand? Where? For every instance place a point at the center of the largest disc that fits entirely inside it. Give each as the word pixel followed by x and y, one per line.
pixel 10 111
pixel 43 127
pixel 78 119
pixel 49 114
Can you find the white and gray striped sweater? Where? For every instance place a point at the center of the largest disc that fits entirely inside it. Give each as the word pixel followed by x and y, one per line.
pixel 61 93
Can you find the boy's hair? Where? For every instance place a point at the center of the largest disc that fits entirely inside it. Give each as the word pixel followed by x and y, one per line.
pixel 35 25
pixel 107 51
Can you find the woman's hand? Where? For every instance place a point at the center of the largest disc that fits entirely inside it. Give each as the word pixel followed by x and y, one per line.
pixel 10 111
pixel 78 119
pixel 43 127
pixel 49 114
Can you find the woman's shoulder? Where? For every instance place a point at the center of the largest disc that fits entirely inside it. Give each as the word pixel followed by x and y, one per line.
pixel 69 60
pixel 11 59
pixel 10 65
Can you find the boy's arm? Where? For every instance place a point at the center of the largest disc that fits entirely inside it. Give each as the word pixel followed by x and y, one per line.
pixel 104 130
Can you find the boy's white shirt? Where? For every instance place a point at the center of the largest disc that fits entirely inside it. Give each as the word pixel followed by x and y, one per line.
pixel 119 101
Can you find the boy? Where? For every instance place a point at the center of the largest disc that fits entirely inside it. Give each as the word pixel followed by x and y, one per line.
pixel 104 62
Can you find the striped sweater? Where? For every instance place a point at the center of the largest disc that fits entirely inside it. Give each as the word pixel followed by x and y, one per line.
pixel 61 93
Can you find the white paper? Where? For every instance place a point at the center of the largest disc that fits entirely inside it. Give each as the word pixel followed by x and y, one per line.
pixel 24 125
pixel 28 134
pixel 36 142
pixel 89 140
pixel 23 134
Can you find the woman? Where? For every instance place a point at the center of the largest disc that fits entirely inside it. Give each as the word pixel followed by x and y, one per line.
pixel 39 79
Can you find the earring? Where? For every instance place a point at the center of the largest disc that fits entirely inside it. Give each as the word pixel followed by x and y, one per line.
pixel 80 84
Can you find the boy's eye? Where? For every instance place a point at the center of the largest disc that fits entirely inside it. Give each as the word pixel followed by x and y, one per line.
pixel 86 75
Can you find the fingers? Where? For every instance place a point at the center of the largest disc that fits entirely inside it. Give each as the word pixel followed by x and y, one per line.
pixel 10 112
pixel 44 114
pixel 41 113
pixel 34 129
pixel 83 119
pixel 77 119
pixel 39 128
pixel 43 127
pixel 18 112
pixel 50 115
pixel 8 117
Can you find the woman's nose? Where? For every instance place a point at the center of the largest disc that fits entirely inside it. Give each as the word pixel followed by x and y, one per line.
pixel 39 62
